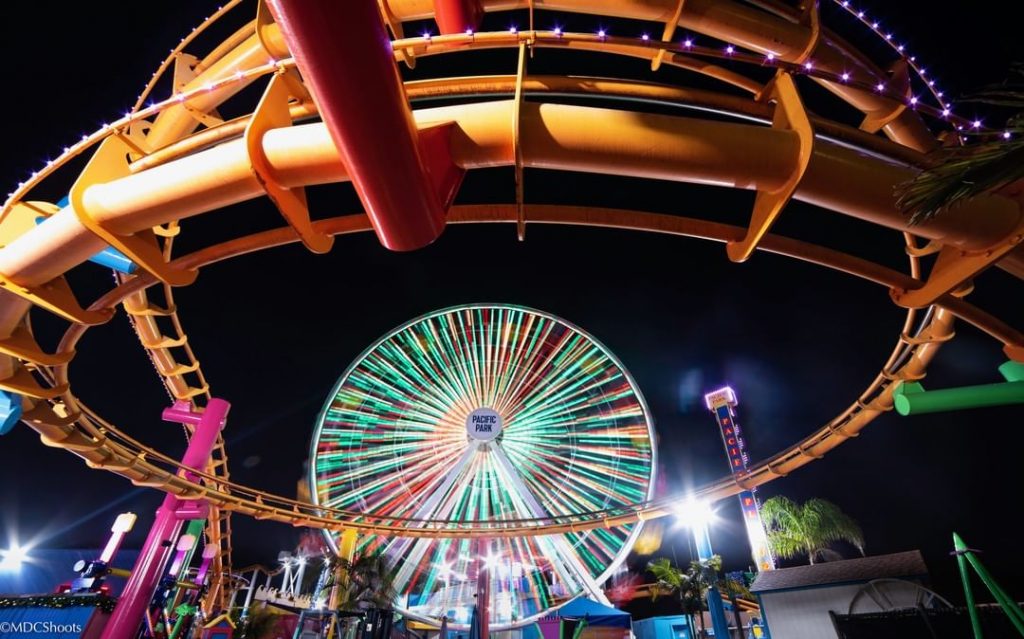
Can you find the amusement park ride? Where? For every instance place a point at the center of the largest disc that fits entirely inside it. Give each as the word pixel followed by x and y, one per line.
pixel 485 448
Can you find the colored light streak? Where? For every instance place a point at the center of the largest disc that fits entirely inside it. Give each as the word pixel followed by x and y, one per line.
pixel 393 441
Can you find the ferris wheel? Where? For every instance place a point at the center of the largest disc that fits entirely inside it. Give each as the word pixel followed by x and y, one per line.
pixel 487 412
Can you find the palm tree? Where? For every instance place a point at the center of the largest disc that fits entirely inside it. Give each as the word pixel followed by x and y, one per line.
pixel 959 173
pixel 366 582
pixel 673 580
pixel 808 529
pixel 690 585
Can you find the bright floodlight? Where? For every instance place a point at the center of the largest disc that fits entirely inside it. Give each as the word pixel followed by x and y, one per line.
pixel 694 513
pixel 12 558
pixel 491 561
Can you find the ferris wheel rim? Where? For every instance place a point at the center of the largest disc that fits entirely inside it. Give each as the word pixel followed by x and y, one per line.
pixel 650 474
pixel 340 381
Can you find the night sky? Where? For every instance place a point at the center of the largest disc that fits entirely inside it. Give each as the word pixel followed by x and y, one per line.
pixel 799 343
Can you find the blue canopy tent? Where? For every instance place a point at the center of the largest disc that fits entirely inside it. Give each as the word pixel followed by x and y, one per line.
pixel 596 614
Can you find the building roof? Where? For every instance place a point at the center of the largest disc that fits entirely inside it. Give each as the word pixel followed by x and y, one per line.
pixel 896 565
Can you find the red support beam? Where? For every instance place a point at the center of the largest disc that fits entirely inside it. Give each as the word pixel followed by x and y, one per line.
pixel 458 16
pixel 345 57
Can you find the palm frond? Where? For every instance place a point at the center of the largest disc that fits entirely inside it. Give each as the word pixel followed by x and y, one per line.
pixel 666 573
pixel 733 584
pixel 796 530
pixel 831 524
pixel 779 512
pixel 961 174
pixel 785 545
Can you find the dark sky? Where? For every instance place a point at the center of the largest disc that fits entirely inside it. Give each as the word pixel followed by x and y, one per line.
pixel 798 343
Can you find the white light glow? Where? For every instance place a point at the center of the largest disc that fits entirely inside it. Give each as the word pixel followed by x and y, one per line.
pixel 12 558
pixel 491 561
pixel 694 513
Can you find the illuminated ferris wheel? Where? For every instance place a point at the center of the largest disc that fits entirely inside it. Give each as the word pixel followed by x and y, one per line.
pixel 487 412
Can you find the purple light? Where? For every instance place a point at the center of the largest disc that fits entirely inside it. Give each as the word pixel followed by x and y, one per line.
pixel 880 87
pixel 845 77
pixel 846 3
pixel 1006 135
pixel 558 31
pixel 976 124
pixel 874 25
pixel 939 94
pixel 426 35
pixel 808 65
pixel 900 48
pixel 945 113
pixel 913 99
pixel 601 33
pixel 645 37
pixel 860 14
pixel 730 49
pixel 724 395
pixel 469 32
pixel 769 56
pixel 888 36
pixel 687 43
pixel 513 29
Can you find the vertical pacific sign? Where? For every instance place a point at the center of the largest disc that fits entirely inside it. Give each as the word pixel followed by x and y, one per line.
pixel 721 402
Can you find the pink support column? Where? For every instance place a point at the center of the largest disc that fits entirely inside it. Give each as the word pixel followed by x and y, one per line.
pixel 159 546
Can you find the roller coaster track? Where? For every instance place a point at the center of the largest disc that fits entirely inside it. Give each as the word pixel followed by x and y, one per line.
pixel 174 143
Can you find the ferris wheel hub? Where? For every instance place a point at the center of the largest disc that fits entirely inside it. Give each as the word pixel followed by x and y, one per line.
pixel 483 424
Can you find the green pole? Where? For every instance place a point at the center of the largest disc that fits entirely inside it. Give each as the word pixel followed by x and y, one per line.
pixel 960 548
pixel 1012 371
pixel 910 398
pixel 1010 607
pixel 184 612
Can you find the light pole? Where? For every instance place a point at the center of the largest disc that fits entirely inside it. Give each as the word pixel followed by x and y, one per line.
pixel 697 516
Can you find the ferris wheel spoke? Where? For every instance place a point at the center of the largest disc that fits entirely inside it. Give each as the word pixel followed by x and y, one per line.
pixel 561 545
pixel 572 436
pixel 428 509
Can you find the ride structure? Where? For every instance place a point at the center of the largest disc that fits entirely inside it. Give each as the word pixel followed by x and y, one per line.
pixel 721 403
pixel 176 158
pixel 487 412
